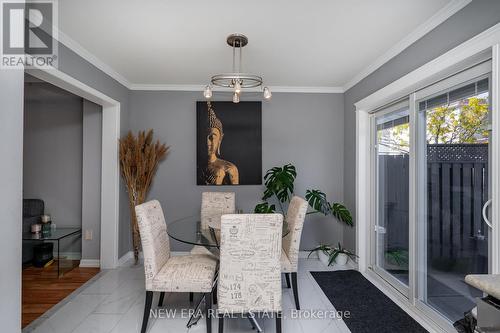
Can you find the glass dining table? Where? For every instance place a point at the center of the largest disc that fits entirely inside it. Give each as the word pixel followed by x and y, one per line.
pixel 188 230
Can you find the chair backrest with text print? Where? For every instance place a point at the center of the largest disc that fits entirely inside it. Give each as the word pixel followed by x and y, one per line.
pixel 154 238
pixel 250 270
pixel 295 217
pixel 214 205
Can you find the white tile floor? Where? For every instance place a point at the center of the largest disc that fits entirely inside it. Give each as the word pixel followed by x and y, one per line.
pixel 114 302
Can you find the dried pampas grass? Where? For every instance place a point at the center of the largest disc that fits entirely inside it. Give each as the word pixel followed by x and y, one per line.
pixel 139 159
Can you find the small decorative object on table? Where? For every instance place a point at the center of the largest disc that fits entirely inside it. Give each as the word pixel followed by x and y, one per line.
pixel 36 228
pixel 46 224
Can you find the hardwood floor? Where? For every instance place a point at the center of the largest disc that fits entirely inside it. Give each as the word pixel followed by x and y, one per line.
pixel 42 289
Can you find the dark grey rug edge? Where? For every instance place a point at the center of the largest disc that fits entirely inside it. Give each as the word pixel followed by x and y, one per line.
pixel 370 309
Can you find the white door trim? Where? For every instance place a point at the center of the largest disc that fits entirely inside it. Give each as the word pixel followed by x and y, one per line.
pixel 110 162
pixel 445 65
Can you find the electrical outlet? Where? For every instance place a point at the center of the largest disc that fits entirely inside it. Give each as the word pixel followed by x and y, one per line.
pixel 88 234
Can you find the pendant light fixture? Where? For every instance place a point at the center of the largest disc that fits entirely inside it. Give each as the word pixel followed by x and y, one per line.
pixel 237 80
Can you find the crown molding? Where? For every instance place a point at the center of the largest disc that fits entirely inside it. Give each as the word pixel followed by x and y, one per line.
pixel 311 90
pixel 200 87
pixel 438 18
pixel 415 80
pixel 442 15
pixel 101 65
pixel 92 59
pixel 167 87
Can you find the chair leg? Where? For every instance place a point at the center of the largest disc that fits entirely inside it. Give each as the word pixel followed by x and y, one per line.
pixel 162 296
pixel 278 322
pixel 221 324
pixel 295 290
pixel 191 296
pixel 147 308
pixel 214 295
pixel 208 307
pixel 287 278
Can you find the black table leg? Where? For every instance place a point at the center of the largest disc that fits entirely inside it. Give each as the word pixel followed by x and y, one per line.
pixel 195 316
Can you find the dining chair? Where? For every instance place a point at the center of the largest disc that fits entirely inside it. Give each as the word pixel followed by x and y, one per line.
pixel 249 268
pixel 165 273
pixel 213 206
pixel 295 216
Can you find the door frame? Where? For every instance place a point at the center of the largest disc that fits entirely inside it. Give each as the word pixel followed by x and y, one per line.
pixel 110 177
pixel 400 286
pixel 445 65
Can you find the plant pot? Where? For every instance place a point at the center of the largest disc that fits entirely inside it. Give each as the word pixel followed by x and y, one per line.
pixel 323 257
pixel 341 259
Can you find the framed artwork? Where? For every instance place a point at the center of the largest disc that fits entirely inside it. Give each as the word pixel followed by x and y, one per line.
pixel 229 143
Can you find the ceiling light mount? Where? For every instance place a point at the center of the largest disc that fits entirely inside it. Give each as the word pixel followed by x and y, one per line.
pixel 237 80
pixel 237 40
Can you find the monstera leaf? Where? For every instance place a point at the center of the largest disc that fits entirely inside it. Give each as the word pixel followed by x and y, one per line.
pixel 264 208
pixel 317 200
pixel 342 213
pixel 279 182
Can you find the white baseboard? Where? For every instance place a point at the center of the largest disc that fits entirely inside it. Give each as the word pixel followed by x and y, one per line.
pixel 90 263
pixel 69 255
pixel 126 257
pixel 305 254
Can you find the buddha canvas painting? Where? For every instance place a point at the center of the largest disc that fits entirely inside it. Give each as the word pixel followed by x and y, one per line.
pixel 229 143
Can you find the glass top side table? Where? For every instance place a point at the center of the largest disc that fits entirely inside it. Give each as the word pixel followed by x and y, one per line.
pixel 54 236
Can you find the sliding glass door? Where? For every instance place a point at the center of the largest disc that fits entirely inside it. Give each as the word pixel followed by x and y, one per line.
pixel 430 184
pixel 454 165
pixel 391 167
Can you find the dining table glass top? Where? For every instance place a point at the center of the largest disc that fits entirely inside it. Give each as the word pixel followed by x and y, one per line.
pixel 188 230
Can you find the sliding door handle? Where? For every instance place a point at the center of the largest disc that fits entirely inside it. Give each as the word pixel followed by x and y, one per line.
pixel 485 217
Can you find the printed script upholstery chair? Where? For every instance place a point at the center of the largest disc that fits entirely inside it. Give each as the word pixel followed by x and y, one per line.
pixel 213 206
pixel 190 273
pixel 250 272
pixel 295 216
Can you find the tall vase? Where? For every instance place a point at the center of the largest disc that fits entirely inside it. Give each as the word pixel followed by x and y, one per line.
pixel 136 239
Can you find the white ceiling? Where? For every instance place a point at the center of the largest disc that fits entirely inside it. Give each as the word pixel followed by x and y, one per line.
pixel 321 43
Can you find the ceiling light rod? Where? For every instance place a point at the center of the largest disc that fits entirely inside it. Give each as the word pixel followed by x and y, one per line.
pixel 236 80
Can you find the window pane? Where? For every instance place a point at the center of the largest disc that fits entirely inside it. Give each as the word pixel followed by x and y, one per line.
pixel 393 134
pixel 457 188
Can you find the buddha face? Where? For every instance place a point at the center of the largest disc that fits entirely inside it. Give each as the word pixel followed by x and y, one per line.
pixel 214 139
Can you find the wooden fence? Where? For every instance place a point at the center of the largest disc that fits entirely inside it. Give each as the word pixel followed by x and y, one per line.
pixel 457 189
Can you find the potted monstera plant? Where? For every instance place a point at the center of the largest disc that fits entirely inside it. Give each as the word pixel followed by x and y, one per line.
pixel 279 190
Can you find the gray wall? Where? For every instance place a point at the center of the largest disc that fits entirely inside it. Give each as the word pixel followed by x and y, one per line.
pixel 11 168
pixel 53 126
pixel 468 22
pixel 77 67
pixel 91 178
pixel 304 129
